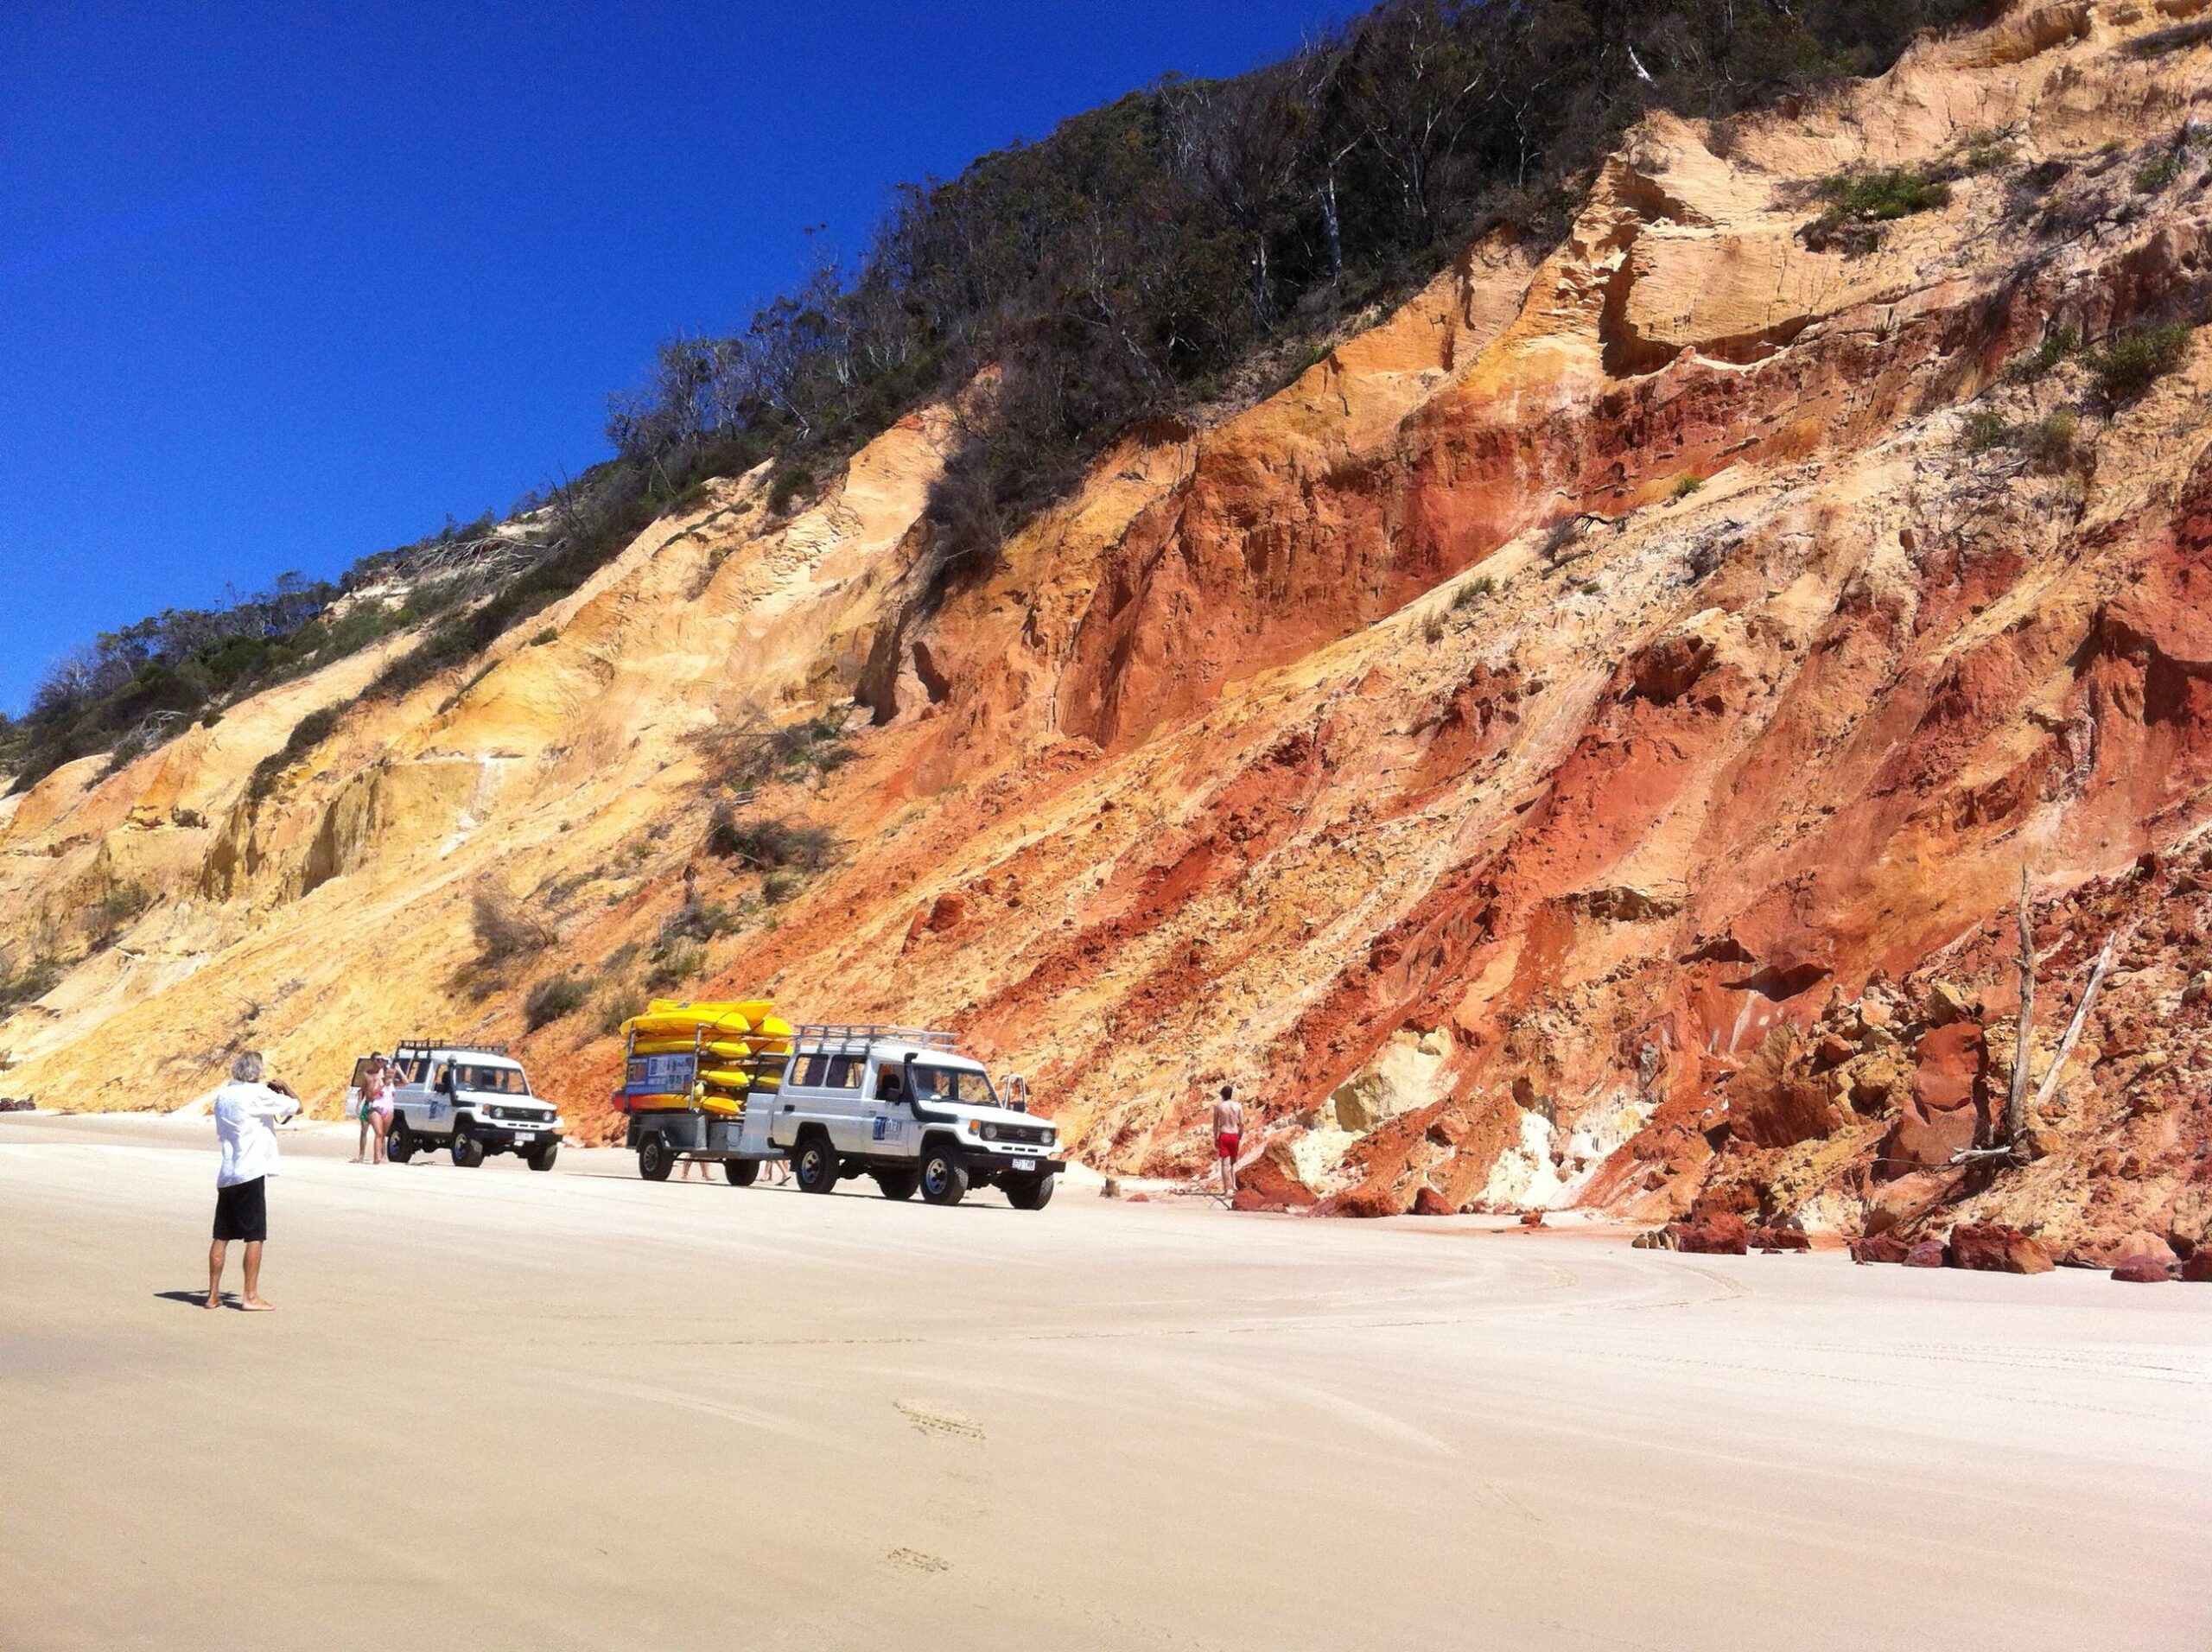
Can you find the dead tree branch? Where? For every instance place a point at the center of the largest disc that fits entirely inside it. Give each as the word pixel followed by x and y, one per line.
pixel 2016 1104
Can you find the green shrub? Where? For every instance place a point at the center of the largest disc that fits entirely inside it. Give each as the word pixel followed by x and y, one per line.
pixel 1885 193
pixel 2161 42
pixel 307 734
pixel 751 753
pixel 2057 343
pixel 781 885
pixel 504 932
pixel 33 980
pixel 553 999
pixel 675 966
pixel 1685 485
pixel 1982 151
pixel 2153 176
pixel 2136 358
pixel 1474 591
pixel 620 1005
pixel 770 845
pixel 1982 429
pixel 2052 442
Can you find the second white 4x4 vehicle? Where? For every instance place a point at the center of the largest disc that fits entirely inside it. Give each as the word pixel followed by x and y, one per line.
pixel 902 1105
pixel 471 1099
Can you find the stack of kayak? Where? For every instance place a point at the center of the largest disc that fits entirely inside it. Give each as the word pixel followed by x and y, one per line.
pixel 741 1046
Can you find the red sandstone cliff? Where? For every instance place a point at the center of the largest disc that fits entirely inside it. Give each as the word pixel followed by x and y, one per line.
pixel 1574 745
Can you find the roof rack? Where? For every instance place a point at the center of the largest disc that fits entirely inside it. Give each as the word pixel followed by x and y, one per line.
pixel 425 1044
pixel 849 1034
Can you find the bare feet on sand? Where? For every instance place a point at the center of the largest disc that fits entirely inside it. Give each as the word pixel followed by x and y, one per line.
pixel 255 1304
pixel 214 1300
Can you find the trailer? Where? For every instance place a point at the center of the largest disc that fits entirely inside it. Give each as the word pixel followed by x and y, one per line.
pixel 672 1115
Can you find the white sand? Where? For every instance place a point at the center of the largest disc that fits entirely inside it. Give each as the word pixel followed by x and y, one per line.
pixel 501 1409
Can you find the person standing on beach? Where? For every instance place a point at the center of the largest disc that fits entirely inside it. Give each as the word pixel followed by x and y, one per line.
pixel 375 1111
pixel 247 1111
pixel 1228 1138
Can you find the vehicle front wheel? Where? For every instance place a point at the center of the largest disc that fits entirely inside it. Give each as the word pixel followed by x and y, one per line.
pixel 1030 1193
pixel 654 1159
pixel 542 1155
pixel 468 1150
pixel 742 1172
pixel 399 1145
pixel 816 1167
pixel 898 1184
pixel 943 1182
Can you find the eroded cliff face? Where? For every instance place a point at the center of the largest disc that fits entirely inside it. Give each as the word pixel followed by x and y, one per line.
pixel 1576 744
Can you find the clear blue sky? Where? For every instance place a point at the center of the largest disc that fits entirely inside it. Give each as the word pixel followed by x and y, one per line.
pixel 283 284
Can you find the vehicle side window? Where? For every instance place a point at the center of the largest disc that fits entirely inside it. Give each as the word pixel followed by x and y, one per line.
pixel 846 1071
pixel 811 1075
pixel 887 1085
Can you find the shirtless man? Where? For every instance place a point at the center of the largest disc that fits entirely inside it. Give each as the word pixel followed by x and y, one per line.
pixel 1228 1138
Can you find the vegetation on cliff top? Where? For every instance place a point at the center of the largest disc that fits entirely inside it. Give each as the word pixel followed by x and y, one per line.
pixel 1174 248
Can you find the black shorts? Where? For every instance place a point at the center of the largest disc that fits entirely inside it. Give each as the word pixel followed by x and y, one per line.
pixel 242 1212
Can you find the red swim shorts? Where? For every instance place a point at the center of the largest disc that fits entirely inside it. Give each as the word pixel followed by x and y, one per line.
pixel 1225 1145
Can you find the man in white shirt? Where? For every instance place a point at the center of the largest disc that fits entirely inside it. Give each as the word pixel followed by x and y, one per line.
pixel 247 1111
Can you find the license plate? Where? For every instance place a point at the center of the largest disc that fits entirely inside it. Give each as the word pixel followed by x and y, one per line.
pixel 1021 1164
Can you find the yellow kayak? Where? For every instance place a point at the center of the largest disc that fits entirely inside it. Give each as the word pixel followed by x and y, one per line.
pixel 711 1010
pixel 687 1023
pixel 727 1106
pixel 725 1079
pixel 722 1049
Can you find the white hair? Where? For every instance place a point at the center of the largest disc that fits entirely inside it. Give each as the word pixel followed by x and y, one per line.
pixel 247 1069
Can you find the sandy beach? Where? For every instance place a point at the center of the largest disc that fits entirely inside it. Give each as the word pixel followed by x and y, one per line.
pixel 500 1410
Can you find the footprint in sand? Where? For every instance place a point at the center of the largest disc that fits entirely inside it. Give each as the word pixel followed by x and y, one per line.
pixel 938 1422
pixel 915 1561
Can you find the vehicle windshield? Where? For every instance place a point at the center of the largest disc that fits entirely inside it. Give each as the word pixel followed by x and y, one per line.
pixel 500 1081
pixel 953 1084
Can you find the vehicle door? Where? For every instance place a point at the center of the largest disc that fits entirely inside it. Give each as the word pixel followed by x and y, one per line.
pixel 832 1103
pixel 887 1112
pixel 357 1088
pixel 424 1111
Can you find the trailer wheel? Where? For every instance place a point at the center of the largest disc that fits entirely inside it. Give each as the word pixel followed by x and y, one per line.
pixel 654 1159
pixel 399 1145
pixel 542 1155
pixel 1029 1192
pixel 468 1150
pixel 944 1181
pixel 898 1184
pixel 741 1172
pixel 817 1169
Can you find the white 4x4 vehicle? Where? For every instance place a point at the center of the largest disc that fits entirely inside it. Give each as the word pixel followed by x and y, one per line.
pixel 902 1105
pixel 473 1100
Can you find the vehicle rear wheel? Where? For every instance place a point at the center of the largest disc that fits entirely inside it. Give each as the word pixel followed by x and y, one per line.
pixel 898 1184
pixel 468 1150
pixel 742 1172
pixel 1030 1193
pixel 943 1182
pixel 542 1155
pixel 654 1159
pixel 816 1167
pixel 399 1145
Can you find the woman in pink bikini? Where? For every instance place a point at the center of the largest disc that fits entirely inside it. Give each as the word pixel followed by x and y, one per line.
pixel 375 1111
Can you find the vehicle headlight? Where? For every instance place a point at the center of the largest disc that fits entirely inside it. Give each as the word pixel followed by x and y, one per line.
pixel 990 1133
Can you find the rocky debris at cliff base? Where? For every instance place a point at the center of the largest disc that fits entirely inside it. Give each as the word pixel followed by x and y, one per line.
pixel 1776 1240
pixel 1929 1252
pixel 1992 1248
pixel 2141 1270
pixel 1880 1248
